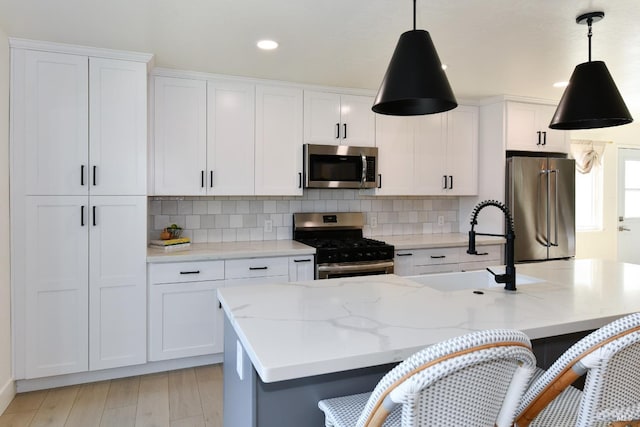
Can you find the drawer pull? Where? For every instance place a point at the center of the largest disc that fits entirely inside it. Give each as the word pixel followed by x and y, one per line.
pixel 302 260
pixel 407 254
pixel 482 253
pixel 190 272
pixel 438 256
pixel 258 268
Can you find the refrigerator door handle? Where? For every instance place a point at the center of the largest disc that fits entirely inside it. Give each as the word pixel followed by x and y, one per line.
pixel 555 207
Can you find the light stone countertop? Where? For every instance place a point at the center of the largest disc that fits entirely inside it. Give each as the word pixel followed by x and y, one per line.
pixel 272 248
pixel 230 250
pixel 317 327
pixel 445 240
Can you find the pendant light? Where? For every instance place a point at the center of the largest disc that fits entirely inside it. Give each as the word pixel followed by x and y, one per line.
pixel 415 82
pixel 591 100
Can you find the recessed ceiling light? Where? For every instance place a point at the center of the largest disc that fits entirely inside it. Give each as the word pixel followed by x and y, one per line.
pixel 267 44
pixel 444 66
pixel 561 84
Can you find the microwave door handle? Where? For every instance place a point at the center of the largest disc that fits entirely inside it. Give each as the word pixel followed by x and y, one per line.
pixel 364 169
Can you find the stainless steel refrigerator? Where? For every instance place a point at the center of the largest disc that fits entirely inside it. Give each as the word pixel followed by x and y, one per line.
pixel 540 193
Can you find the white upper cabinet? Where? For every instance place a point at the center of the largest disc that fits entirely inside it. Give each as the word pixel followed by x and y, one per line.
pixel 180 136
pixel 435 154
pixel 331 118
pixel 203 137
pixel 50 113
pixel 278 150
pixel 527 128
pixel 117 127
pixel 82 121
pixel 230 138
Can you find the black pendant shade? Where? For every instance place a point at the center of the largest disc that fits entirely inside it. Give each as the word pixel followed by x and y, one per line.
pixel 591 100
pixel 415 82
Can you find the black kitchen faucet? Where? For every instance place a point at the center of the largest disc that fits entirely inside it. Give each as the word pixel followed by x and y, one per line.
pixel 509 278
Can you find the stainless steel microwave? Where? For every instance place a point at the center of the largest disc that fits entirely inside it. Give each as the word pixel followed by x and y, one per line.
pixel 340 166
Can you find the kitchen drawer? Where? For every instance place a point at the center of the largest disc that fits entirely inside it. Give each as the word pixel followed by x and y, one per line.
pixel 436 268
pixel 256 267
pixel 192 271
pixel 485 253
pixel 434 256
pixel 265 280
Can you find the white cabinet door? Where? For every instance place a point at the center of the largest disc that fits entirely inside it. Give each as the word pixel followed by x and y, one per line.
pixel 180 136
pixel 50 119
pixel 185 319
pixel 118 127
pixel 322 118
pixel 301 268
pixel 395 142
pixel 358 120
pixel 528 128
pixel 462 151
pixel 117 279
pixel 230 138
pixel 56 288
pixel 430 154
pixel 278 150
pixel 331 118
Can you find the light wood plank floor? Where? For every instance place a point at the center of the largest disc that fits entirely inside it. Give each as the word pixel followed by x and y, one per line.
pixel 185 398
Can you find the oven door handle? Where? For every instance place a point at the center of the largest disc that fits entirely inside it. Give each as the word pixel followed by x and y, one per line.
pixel 355 267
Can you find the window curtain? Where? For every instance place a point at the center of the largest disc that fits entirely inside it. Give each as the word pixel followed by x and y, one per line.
pixel 588 154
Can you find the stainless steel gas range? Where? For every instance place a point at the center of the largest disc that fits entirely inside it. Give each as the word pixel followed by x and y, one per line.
pixel 341 250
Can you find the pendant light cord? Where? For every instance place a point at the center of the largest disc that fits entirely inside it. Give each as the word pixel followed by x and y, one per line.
pixel 589 22
pixel 414 15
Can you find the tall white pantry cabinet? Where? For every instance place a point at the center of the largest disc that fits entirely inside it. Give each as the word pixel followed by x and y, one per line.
pixel 78 208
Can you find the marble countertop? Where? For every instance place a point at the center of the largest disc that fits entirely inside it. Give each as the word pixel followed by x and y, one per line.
pixel 445 240
pixel 317 327
pixel 271 248
pixel 230 250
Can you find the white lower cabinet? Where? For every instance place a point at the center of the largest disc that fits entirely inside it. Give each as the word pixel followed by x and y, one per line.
pixel 84 261
pixel 411 262
pixel 185 316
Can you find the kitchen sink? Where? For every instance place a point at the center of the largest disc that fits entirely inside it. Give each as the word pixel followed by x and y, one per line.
pixel 479 279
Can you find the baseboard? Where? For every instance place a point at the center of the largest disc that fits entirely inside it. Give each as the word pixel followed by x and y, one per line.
pixel 110 374
pixel 7 393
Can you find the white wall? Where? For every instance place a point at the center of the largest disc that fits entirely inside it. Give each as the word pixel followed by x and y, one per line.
pixel 7 389
pixel 604 244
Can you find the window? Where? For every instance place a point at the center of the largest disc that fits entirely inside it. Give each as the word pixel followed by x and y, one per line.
pixel 589 184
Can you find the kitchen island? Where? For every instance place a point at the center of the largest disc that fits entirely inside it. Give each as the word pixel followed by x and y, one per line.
pixel 289 345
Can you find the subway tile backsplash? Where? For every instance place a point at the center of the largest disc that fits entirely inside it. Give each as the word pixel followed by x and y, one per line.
pixel 231 219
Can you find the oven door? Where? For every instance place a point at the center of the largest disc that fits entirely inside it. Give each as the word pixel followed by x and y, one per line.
pixel 350 269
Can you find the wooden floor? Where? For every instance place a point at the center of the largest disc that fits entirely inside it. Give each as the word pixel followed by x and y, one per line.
pixel 185 398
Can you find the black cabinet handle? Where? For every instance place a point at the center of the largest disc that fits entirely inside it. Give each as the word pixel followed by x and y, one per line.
pixel 345 131
pixel 379 180
pixel 258 268
pixel 299 179
pixel 444 182
pixel 337 130
pixel 211 179
pixel 539 138
pixel 94 174
pixel 202 179
pixel 405 254
pixel 82 216
pixel 481 253
pixel 94 215
pixel 81 174
pixel 544 140
pixel 438 256
pixel 302 260
pixel 190 272
pixel 219 304
pixel 450 182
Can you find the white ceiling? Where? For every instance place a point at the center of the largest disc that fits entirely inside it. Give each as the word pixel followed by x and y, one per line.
pixel 517 47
